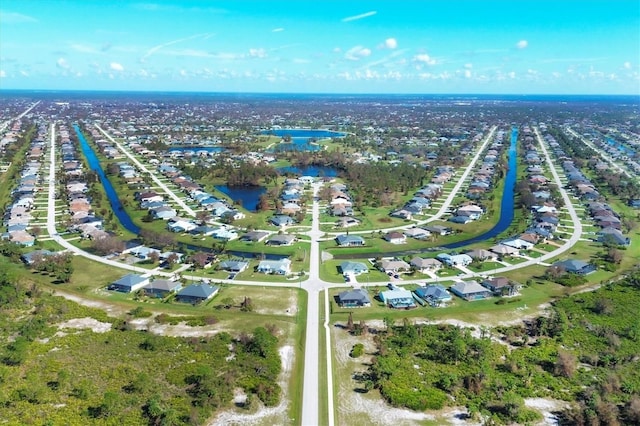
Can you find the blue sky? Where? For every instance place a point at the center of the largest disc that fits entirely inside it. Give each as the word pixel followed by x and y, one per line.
pixel 323 46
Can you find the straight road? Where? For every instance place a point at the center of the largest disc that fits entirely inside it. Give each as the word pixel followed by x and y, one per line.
pixel 153 176
pixel 602 153
pixel 6 123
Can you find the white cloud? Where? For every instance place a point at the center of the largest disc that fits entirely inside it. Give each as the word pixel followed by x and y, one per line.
pixel 627 65
pixel 467 73
pixel 116 66
pixel 277 30
pixel 357 52
pixel 391 43
pixel 424 58
pixel 522 44
pixel 15 18
pixel 62 63
pixel 258 53
pixel 357 17
pixel 468 66
pixel 3 74
pixel 169 43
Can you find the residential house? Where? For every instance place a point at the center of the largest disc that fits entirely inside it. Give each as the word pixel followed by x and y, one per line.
pixel 129 283
pixel 254 236
pixel 575 266
pixel 454 259
pixel 398 298
pixel 473 211
pixel 164 213
pixel 433 293
pixel 470 290
pixel 278 267
pixel 197 293
pixel 356 298
pixel 36 255
pixel 393 265
pixel 235 266
pixel 281 220
pixel 503 250
pixel 613 236
pixel 347 222
pixel 346 240
pixel 162 288
pixel 500 286
pixel 438 229
pixel 462 220
pixel 395 237
pixel 353 268
pixel 425 265
pixel 518 243
pixel 280 240
pixel 481 254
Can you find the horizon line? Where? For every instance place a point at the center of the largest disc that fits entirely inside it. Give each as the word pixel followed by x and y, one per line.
pixel 5 90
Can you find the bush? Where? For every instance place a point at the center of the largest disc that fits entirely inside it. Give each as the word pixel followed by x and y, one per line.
pixel 357 350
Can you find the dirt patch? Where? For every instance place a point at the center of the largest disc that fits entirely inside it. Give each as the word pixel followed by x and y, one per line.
pixel 84 323
pixel 181 329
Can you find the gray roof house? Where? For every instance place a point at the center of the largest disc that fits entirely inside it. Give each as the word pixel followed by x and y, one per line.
pixel 353 268
pixel 613 236
pixel 162 288
pixel 129 283
pixel 281 240
pixel 236 266
pixel 33 256
pixel 197 293
pixel 281 220
pixel 434 293
pixel 355 298
pixel 425 264
pixel 576 266
pixel 470 290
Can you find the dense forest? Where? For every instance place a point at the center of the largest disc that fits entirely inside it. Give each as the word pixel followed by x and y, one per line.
pixel 585 352
pixel 63 376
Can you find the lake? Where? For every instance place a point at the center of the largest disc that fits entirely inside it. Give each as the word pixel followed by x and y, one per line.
pixel 301 139
pixel 247 196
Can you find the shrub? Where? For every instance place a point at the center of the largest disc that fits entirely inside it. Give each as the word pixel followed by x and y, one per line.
pixel 357 350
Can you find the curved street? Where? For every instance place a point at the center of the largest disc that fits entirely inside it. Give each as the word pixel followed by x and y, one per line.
pixel 314 284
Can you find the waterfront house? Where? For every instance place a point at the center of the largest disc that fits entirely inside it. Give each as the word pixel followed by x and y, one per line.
pixel 254 236
pixel 425 265
pixel 393 265
pixel 278 267
pixel 353 268
pixel 235 266
pixel 345 240
pixel 395 237
pixel 417 233
pixel 280 240
pixel 454 259
pixel 281 220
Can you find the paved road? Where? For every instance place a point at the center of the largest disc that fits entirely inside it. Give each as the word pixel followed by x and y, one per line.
pixel 602 153
pixel 6 123
pixel 153 176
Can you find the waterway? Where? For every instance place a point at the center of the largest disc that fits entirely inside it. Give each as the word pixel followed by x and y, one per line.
pixel 94 164
pixel 507 202
pixel 506 213
pixel 247 196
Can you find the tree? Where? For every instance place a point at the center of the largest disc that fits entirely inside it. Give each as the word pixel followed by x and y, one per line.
pixel 566 364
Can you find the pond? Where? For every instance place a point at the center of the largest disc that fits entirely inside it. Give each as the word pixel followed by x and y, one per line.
pixel 316 171
pixel 247 196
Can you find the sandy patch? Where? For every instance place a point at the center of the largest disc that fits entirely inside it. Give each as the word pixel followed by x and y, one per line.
pixel 84 323
pixel 264 415
pixel 546 408
pixel 111 310
pixel 181 329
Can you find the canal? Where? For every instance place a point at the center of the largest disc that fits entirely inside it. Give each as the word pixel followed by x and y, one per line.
pixel 112 195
